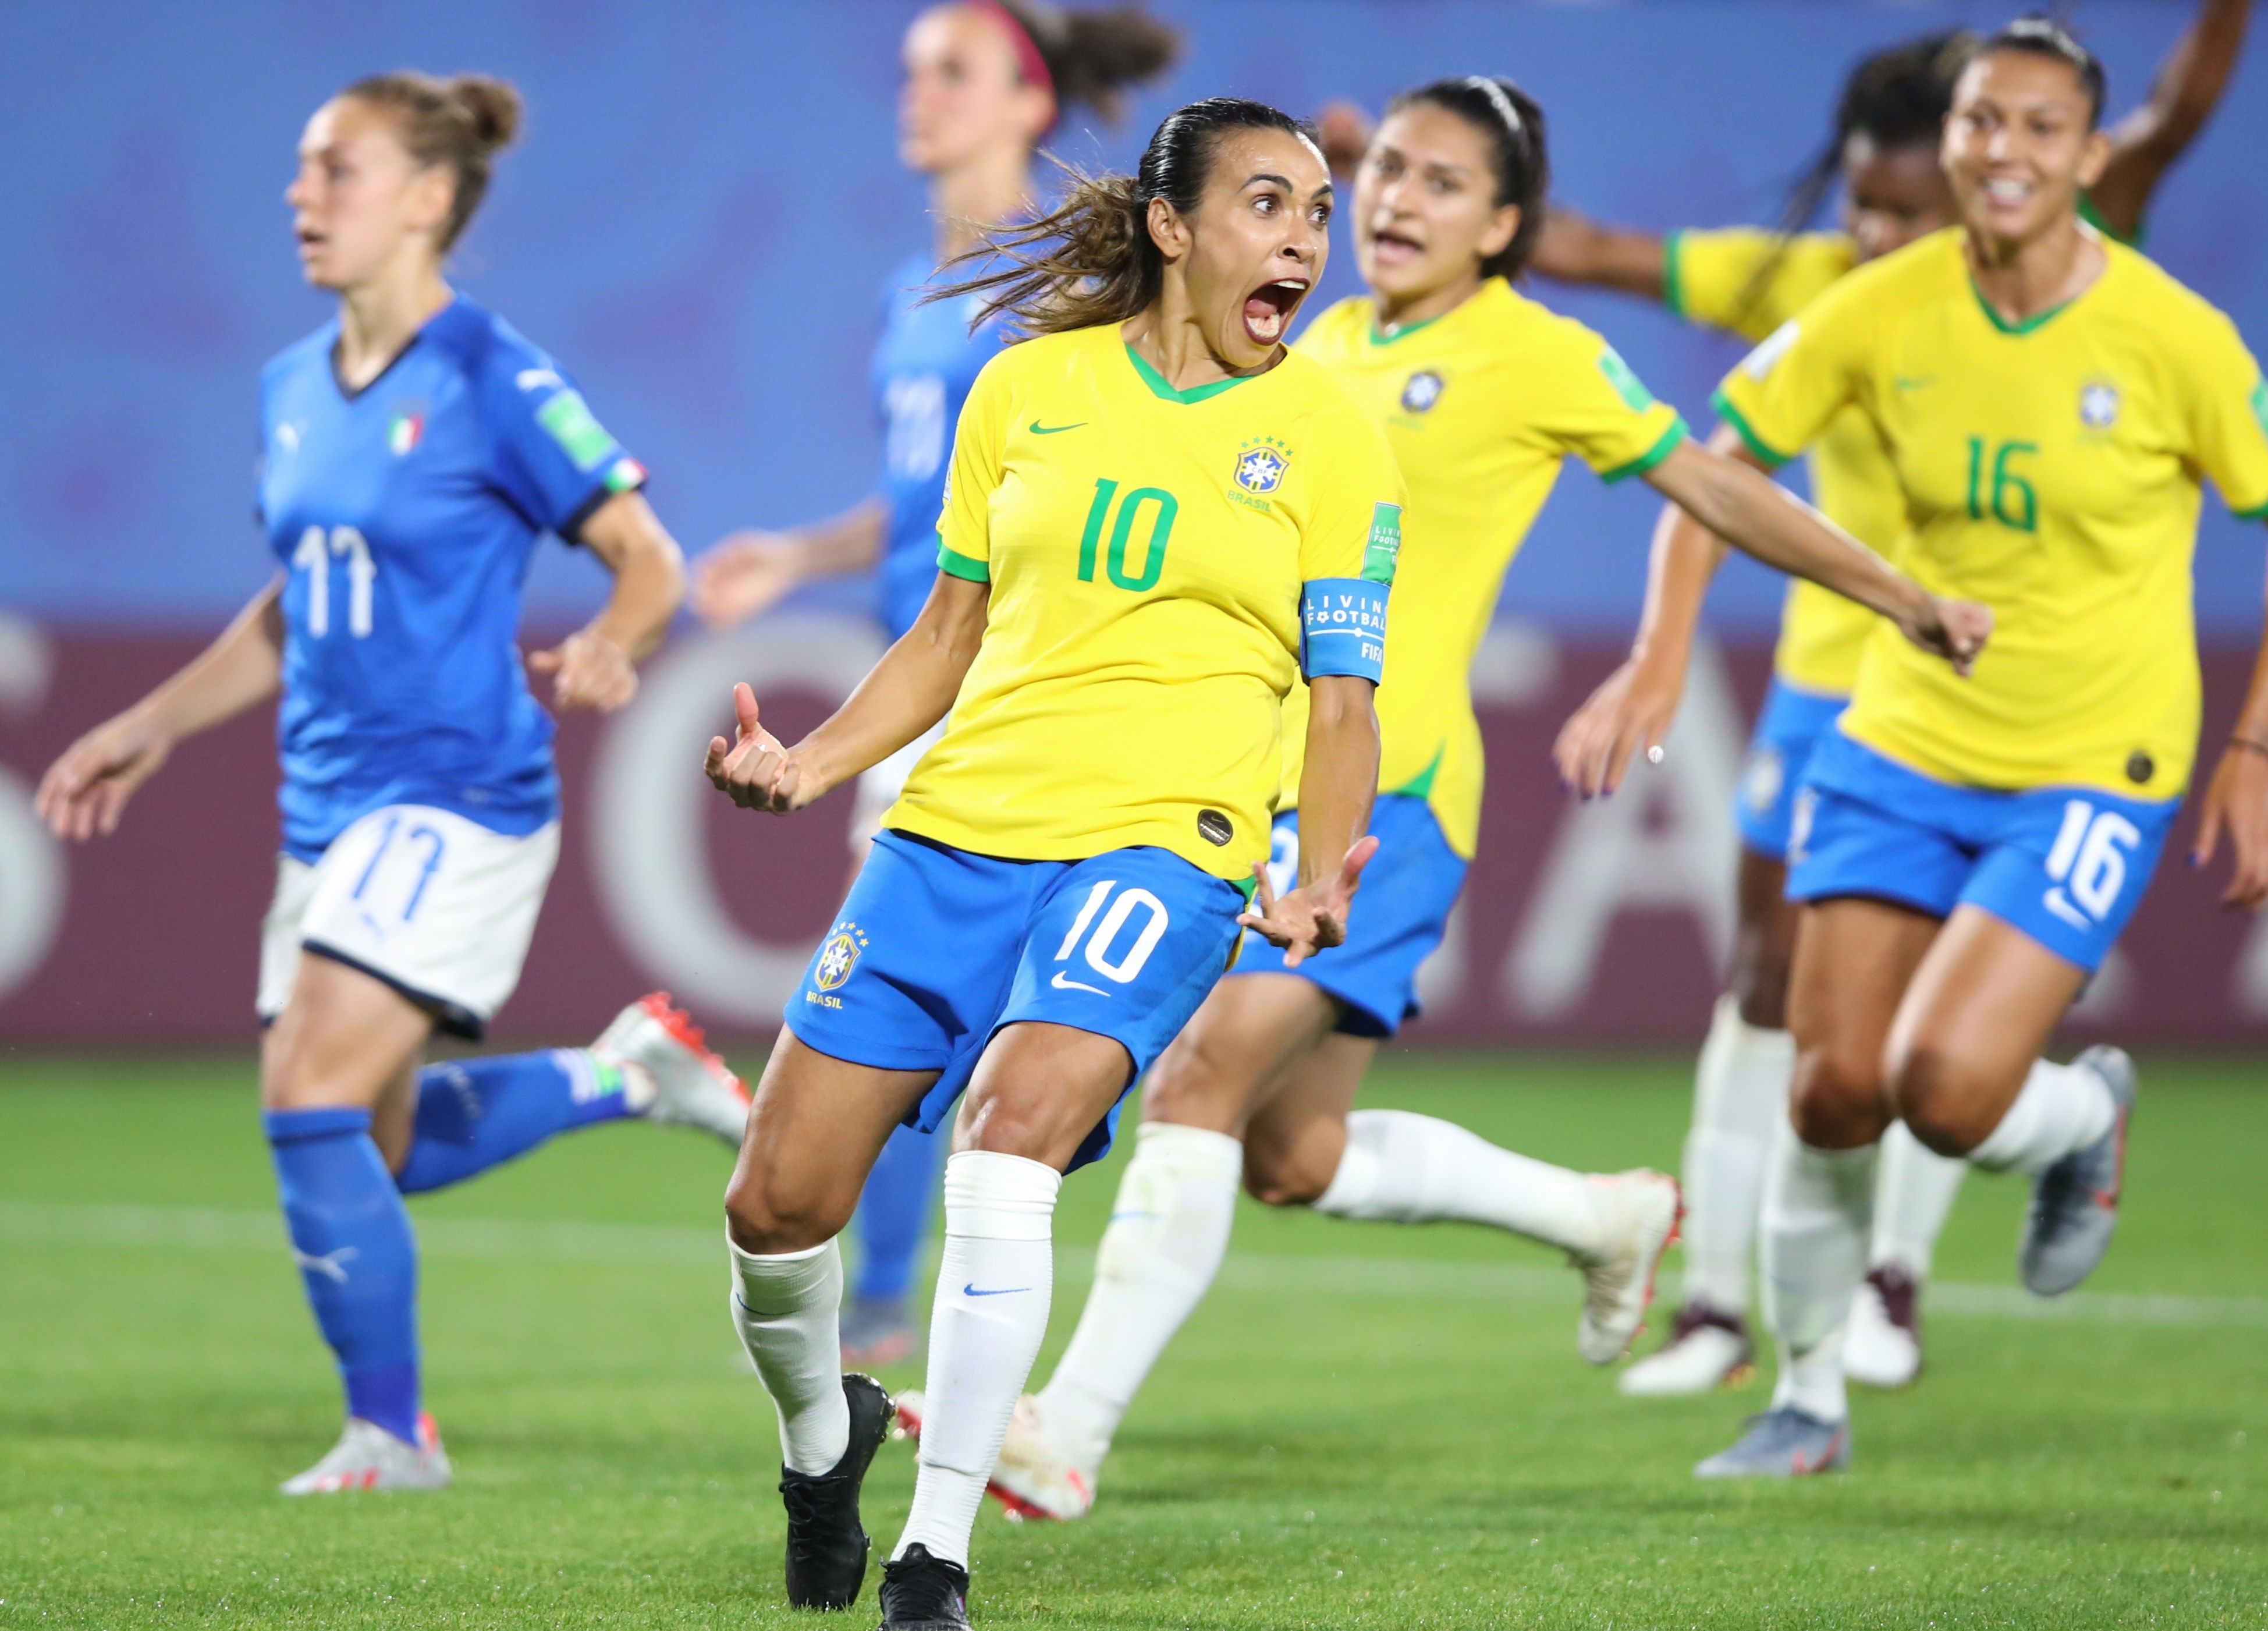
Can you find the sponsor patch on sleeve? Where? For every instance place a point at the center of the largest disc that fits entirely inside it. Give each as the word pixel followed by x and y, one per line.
pixel 569 419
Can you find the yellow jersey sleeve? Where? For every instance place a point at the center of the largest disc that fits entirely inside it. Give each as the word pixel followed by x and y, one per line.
pixel 1784 394
pixel 2228 418
pixel 964 530
pixel 1748 282
pixel 1584 400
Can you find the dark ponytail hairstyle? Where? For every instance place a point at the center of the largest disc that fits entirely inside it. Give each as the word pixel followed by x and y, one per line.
pixel 1091 260
pixel 1897 98
pixel 1519 153
pixel 1092 56
pixel 463 121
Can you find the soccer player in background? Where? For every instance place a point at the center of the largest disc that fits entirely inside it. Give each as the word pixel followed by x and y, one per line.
pixel 1965 855
pixel 985 84
pixel 1884 148
pixel 1157 521
pixel 1481 394
pixel 414 449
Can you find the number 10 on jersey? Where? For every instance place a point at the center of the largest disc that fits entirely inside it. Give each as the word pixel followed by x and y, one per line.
pixel 1162 507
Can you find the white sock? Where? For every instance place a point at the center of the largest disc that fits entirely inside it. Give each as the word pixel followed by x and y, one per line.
pixel 991 1311
pixel 1401 1168
pixel 1914 1187
pixel 2060 1109
pixel 1816 1204
pixel 786 1309
pixel 1740 1095
pixel 1168 1232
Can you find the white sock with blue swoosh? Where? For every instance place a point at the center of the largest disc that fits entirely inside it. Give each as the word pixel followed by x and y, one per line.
pixel 993 1288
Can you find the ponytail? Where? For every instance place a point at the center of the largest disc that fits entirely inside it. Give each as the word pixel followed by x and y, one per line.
pixel 463 121
pixel 1091 260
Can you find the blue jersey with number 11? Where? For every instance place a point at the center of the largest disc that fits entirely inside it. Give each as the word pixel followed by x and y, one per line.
pixel 924 362
pixel 404 515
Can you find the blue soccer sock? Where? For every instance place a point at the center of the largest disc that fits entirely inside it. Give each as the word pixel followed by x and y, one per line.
pixel 894 1213
pixel 472 1114
pixel 350 1235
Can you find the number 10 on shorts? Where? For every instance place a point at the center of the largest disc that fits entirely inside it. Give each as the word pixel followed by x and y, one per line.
pixel 1111 925
pixel 2088 863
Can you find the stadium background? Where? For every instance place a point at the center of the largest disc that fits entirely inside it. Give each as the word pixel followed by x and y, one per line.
pixel 699 223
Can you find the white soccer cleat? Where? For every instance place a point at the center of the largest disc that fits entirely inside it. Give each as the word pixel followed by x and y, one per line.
pixel 1707 1350
pixel 669 1074
pixel 1033 1478
pixel 1641 1209
pixel 367 1456
pixel 1881 1347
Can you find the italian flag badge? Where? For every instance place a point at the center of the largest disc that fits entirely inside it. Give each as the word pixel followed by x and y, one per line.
pixel 404 432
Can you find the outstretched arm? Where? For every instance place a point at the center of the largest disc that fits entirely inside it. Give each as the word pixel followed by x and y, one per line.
pixel 749 571
pixel 909 690
pixel 2236 799
pixel 85 790
pixel 596 666
pixel 1575 250
pixel 2190 82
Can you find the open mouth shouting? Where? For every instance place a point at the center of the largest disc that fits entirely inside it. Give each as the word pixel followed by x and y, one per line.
pixel 1391 247
pixel 1268 309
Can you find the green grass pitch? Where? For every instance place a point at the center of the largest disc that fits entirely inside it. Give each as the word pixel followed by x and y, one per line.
pixel 1363 1427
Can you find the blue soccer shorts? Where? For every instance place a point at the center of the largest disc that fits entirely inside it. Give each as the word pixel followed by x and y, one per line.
pixel 935 949
pixel 1400 914
pixel 1792 723
pixel 2067 866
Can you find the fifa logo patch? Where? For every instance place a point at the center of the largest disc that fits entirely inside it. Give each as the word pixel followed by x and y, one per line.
pixel 2098 405
pixel 1422 392
pixel 1260 465
pixel 838 956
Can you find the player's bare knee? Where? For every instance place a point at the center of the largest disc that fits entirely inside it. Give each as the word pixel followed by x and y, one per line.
pixel 1187 1087
pixel 765 1217
pixel 1277 1177
pixel 1940 1097
pixel 1760 988
pixel 1836 1098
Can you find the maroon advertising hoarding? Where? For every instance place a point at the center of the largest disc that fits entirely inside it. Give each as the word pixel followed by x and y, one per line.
pixel 1583 924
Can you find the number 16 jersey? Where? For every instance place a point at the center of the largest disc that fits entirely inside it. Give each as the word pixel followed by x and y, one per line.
pixel 2049 469
pixel 1163 563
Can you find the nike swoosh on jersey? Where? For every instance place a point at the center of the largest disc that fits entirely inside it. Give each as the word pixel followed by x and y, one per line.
pixel 1061 983
pixel 1052 429
pixel 970 1291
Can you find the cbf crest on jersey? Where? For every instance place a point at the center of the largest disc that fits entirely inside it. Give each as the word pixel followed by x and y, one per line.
pixel 838 956
pixel 1260 465
pixel 1423 390
pixel 2098 405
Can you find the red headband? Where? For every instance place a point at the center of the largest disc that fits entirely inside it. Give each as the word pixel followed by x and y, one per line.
pixel 1029 62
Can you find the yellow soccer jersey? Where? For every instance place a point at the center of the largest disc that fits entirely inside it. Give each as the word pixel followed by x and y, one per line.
pixel 1146 550
pixel 1749 283
pixel 2048 469
pixel 1481 406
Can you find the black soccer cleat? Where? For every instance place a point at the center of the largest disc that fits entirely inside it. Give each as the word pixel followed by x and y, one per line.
pixel 827 1546
pixel 924 1593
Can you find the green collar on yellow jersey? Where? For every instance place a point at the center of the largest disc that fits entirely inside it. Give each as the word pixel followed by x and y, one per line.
pixel 2037 321
pixel 1156 381
pixel 1379 337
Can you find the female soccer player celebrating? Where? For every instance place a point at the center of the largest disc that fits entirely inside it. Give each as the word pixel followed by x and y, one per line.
pixel 1889 125
pixel 1481 394
pixel 1966 855
pixel 985 84
pixel 1157 521
pixel 415 448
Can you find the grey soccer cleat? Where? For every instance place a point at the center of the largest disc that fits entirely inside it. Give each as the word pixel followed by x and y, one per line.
pixel 670 1074
pixel 2075 1202
pixel 1782 1443
pixel 367 1456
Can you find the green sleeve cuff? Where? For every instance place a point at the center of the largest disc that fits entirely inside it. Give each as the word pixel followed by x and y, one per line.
pixel 1672 277
pixel 962 566
pixel 1671 440
pixel 1757 445
pixel 2257 513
